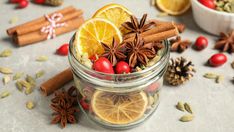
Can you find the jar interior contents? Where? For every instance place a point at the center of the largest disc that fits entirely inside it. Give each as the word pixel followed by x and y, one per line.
pixel 117 50
pixel 116 108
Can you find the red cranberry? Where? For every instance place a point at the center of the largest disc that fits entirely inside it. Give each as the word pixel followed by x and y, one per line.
pixel 14 1
pixel 217 59
pixel 23 4
pixel 201 43
pixel 39 1
pixel 84 104
pixel 103 65
pixel 122 67
pixel 63 50
pixel 208 3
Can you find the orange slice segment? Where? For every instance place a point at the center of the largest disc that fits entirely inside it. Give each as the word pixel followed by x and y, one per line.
pixel 173 7
pixel 119 109
pixel 115 13
pixel 90 35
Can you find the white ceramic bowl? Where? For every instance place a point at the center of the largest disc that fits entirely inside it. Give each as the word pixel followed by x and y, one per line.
pixel 210 20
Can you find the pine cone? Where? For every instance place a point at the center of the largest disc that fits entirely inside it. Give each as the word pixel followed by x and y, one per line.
pixel 54 2
pixel 179 71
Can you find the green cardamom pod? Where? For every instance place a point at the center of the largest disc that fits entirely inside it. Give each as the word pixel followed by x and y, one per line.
pixel 219 79
pixel 18 75
pixel 210 75
pixel 19 86
pixel 31 80
pixel 4 94
pixel 180 106
pixel 30 105
pixel 6 53
pixel 42 58
pixel 6 79
pixel 186 118
pixel 40 74
pixel 5 70
pixel 188 108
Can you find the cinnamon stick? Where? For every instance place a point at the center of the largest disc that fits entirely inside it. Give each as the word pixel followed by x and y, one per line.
pixel 66 17
pixel 158 36
pixel 181 27
pixel 37 36
pixel 12 30
pixel 56 82
pixel 157 29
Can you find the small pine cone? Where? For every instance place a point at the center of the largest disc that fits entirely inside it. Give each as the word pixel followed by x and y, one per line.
pixel 54 2
pixel 179 71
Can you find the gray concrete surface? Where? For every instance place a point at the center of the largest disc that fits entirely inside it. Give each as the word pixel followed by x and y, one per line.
pixel 213 103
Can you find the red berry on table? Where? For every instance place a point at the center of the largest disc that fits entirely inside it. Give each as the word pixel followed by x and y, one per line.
pixel 122 67
pixel 39 1
pixel 14 1
pixel 103 65
pixel 217 59
pixel 63 50
pixel 23 4
pixel 201 43
pixel 84 104
pixel 208 3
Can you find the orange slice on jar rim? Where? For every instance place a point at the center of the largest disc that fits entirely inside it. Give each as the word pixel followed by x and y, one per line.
pixel 90 35
pixel 119 109
pixel 115 13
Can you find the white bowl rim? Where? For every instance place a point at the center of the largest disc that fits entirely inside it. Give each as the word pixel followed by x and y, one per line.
pixel 211 10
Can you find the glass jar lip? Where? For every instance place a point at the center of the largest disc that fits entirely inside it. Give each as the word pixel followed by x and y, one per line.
pixel 167 49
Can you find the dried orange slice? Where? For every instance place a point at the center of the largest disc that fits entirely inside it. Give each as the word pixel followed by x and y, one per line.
pixel 173 7
pixel 115 13
pixel 119 109
pixel 90 35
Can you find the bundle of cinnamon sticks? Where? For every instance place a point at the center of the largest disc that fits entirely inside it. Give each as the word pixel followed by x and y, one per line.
pixel 161 31
pixel 31 32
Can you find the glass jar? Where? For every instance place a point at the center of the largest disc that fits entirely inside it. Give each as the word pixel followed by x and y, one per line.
pixel 119 101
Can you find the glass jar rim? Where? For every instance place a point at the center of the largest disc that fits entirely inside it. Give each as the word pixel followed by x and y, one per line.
pixel 162 58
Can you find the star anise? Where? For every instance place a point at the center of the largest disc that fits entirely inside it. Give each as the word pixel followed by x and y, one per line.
pixel 226 42
pixel 135 27
pixel 179 45
pixel 64 114
pixel 157 46
pixel 139 52
pixel 117 98
pixel 62 97
pixel 64 104
pixel 113 52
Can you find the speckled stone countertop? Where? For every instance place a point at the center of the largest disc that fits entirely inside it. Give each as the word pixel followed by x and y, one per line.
pixel 212 103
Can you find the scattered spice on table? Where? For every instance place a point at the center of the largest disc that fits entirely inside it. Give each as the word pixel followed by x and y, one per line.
pixel 4 94
pixel 39 74
pixel 226 42
pixel 232 64
pixel 30 105
pixel 14 20
pixel 179 45
pixel 6 70
pixel 6 53
pixel 6 79
pixel 64 107
pixel 217 77
pixel 18 75
pixel 186 118
pixel 185 107
pixel 42 58
pixel 179 71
